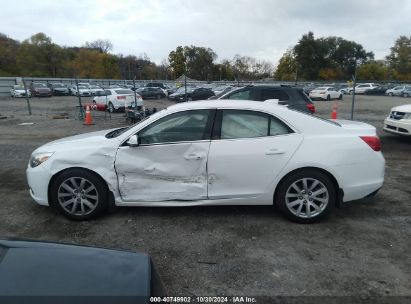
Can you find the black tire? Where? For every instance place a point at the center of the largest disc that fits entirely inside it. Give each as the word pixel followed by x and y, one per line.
pixel 311 175
pixel 111 108
pixel 390 94
pixel 340 97
pixel 328 97
pixel 100 191
pixel 406 95
pixel 158 96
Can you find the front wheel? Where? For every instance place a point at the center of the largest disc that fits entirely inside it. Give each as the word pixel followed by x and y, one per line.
pixel 79 194
pixel 340 97
pixel 328 97
pixel 306 196
pixel 406 95
pixel 390 94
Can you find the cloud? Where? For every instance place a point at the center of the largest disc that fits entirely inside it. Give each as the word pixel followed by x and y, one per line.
pixel 261 28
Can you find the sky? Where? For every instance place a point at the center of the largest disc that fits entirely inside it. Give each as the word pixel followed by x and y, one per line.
pixel 263 29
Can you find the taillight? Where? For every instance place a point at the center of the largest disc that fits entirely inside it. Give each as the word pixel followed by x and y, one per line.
pixel 322 92
pixel 311 107
pixel 121 97
pixel 373 141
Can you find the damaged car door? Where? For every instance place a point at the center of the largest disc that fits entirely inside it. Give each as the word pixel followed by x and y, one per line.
pixel 169 160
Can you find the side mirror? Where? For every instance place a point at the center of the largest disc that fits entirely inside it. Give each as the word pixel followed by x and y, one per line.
pixel 133 141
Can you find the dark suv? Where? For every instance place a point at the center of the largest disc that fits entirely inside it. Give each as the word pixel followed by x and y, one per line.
pixel 292 97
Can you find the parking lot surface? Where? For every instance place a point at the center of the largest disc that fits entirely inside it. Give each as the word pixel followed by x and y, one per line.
pixel 362 249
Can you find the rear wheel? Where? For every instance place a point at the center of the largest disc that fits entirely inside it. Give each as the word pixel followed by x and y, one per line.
pixel 340 97
pixel 406 95
pixel 390 94
pixel 328 97
pixel 111 108
pixel 79 194
pixel 306 196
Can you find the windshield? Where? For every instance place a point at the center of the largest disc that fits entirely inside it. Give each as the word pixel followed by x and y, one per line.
pixel 82 87
pixel 94 87
pixel 18 87
pixel 58 85
pixel 39 85
pixel 321 88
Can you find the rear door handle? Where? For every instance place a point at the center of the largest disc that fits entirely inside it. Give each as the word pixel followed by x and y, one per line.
pixel 274 152
pixel 193 156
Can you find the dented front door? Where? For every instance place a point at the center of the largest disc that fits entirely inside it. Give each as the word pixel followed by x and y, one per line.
pixel 163 172
pixel 171 161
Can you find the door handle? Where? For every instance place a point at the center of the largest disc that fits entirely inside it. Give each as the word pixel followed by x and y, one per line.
pixel 274 152
pixel 193 156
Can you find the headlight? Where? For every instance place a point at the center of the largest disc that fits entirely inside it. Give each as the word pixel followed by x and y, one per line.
pixel 407 116
pixel 39 158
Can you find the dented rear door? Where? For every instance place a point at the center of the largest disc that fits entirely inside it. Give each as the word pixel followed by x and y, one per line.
pixel 171 161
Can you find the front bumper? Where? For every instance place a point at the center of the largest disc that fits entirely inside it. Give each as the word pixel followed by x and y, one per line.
pixel 38 179
pixel 400 127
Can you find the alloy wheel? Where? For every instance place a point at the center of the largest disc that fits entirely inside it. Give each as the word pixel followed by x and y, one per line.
pixel 78 196
pixel 307 198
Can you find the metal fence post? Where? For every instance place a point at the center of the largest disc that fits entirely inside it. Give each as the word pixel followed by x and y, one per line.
pixel 27 96
pixel 353 91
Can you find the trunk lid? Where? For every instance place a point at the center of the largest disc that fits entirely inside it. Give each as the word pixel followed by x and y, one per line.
pixel 356 127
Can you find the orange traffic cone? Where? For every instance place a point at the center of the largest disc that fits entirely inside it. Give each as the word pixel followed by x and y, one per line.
pixel 88 120
pixel 334 112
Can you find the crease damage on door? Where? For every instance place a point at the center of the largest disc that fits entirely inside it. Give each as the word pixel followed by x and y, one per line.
pixel 164 179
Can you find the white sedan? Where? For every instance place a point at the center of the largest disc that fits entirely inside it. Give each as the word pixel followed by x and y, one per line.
pixel 399 120
pixel 326 93
pixel 118 99
pixel 231 152
pixel 19 91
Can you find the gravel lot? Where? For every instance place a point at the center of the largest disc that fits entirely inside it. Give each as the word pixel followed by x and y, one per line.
pixel 361 250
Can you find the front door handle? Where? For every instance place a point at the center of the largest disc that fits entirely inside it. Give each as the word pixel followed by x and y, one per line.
pixel 274 152
pixel 193 156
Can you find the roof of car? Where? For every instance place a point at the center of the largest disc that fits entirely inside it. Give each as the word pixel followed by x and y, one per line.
pixel 228 103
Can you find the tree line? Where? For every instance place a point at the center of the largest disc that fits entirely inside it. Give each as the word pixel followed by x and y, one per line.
pixel 325 58
pixel 334 58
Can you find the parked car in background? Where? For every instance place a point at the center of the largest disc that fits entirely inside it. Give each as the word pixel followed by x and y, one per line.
pixel 33 270
pixel 82 91
pixel 84 84
pixel 407 91
pixel 180 91
pixel 222 153
pixel 118 99
pixel 39 89
pixel 58 89
pixel 221 89
pixel 194 94
pixel 344 89
pixel 380 90
pixel 291 97
pixel 362 88
pixel 399 120
pixel 95 90
pixel 151 92
pixel 325 93
pixel 156 85
pixel 18 91
pixel 396 91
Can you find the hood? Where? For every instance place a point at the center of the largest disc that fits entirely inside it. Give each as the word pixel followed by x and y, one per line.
pixel 86 139
pixel 31 268
pixel 42 89
pixel 20 91
pixel 403 108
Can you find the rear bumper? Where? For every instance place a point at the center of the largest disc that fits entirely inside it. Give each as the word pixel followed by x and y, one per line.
pixel 400 127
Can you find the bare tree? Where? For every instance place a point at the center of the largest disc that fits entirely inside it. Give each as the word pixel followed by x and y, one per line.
pixel 101 45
